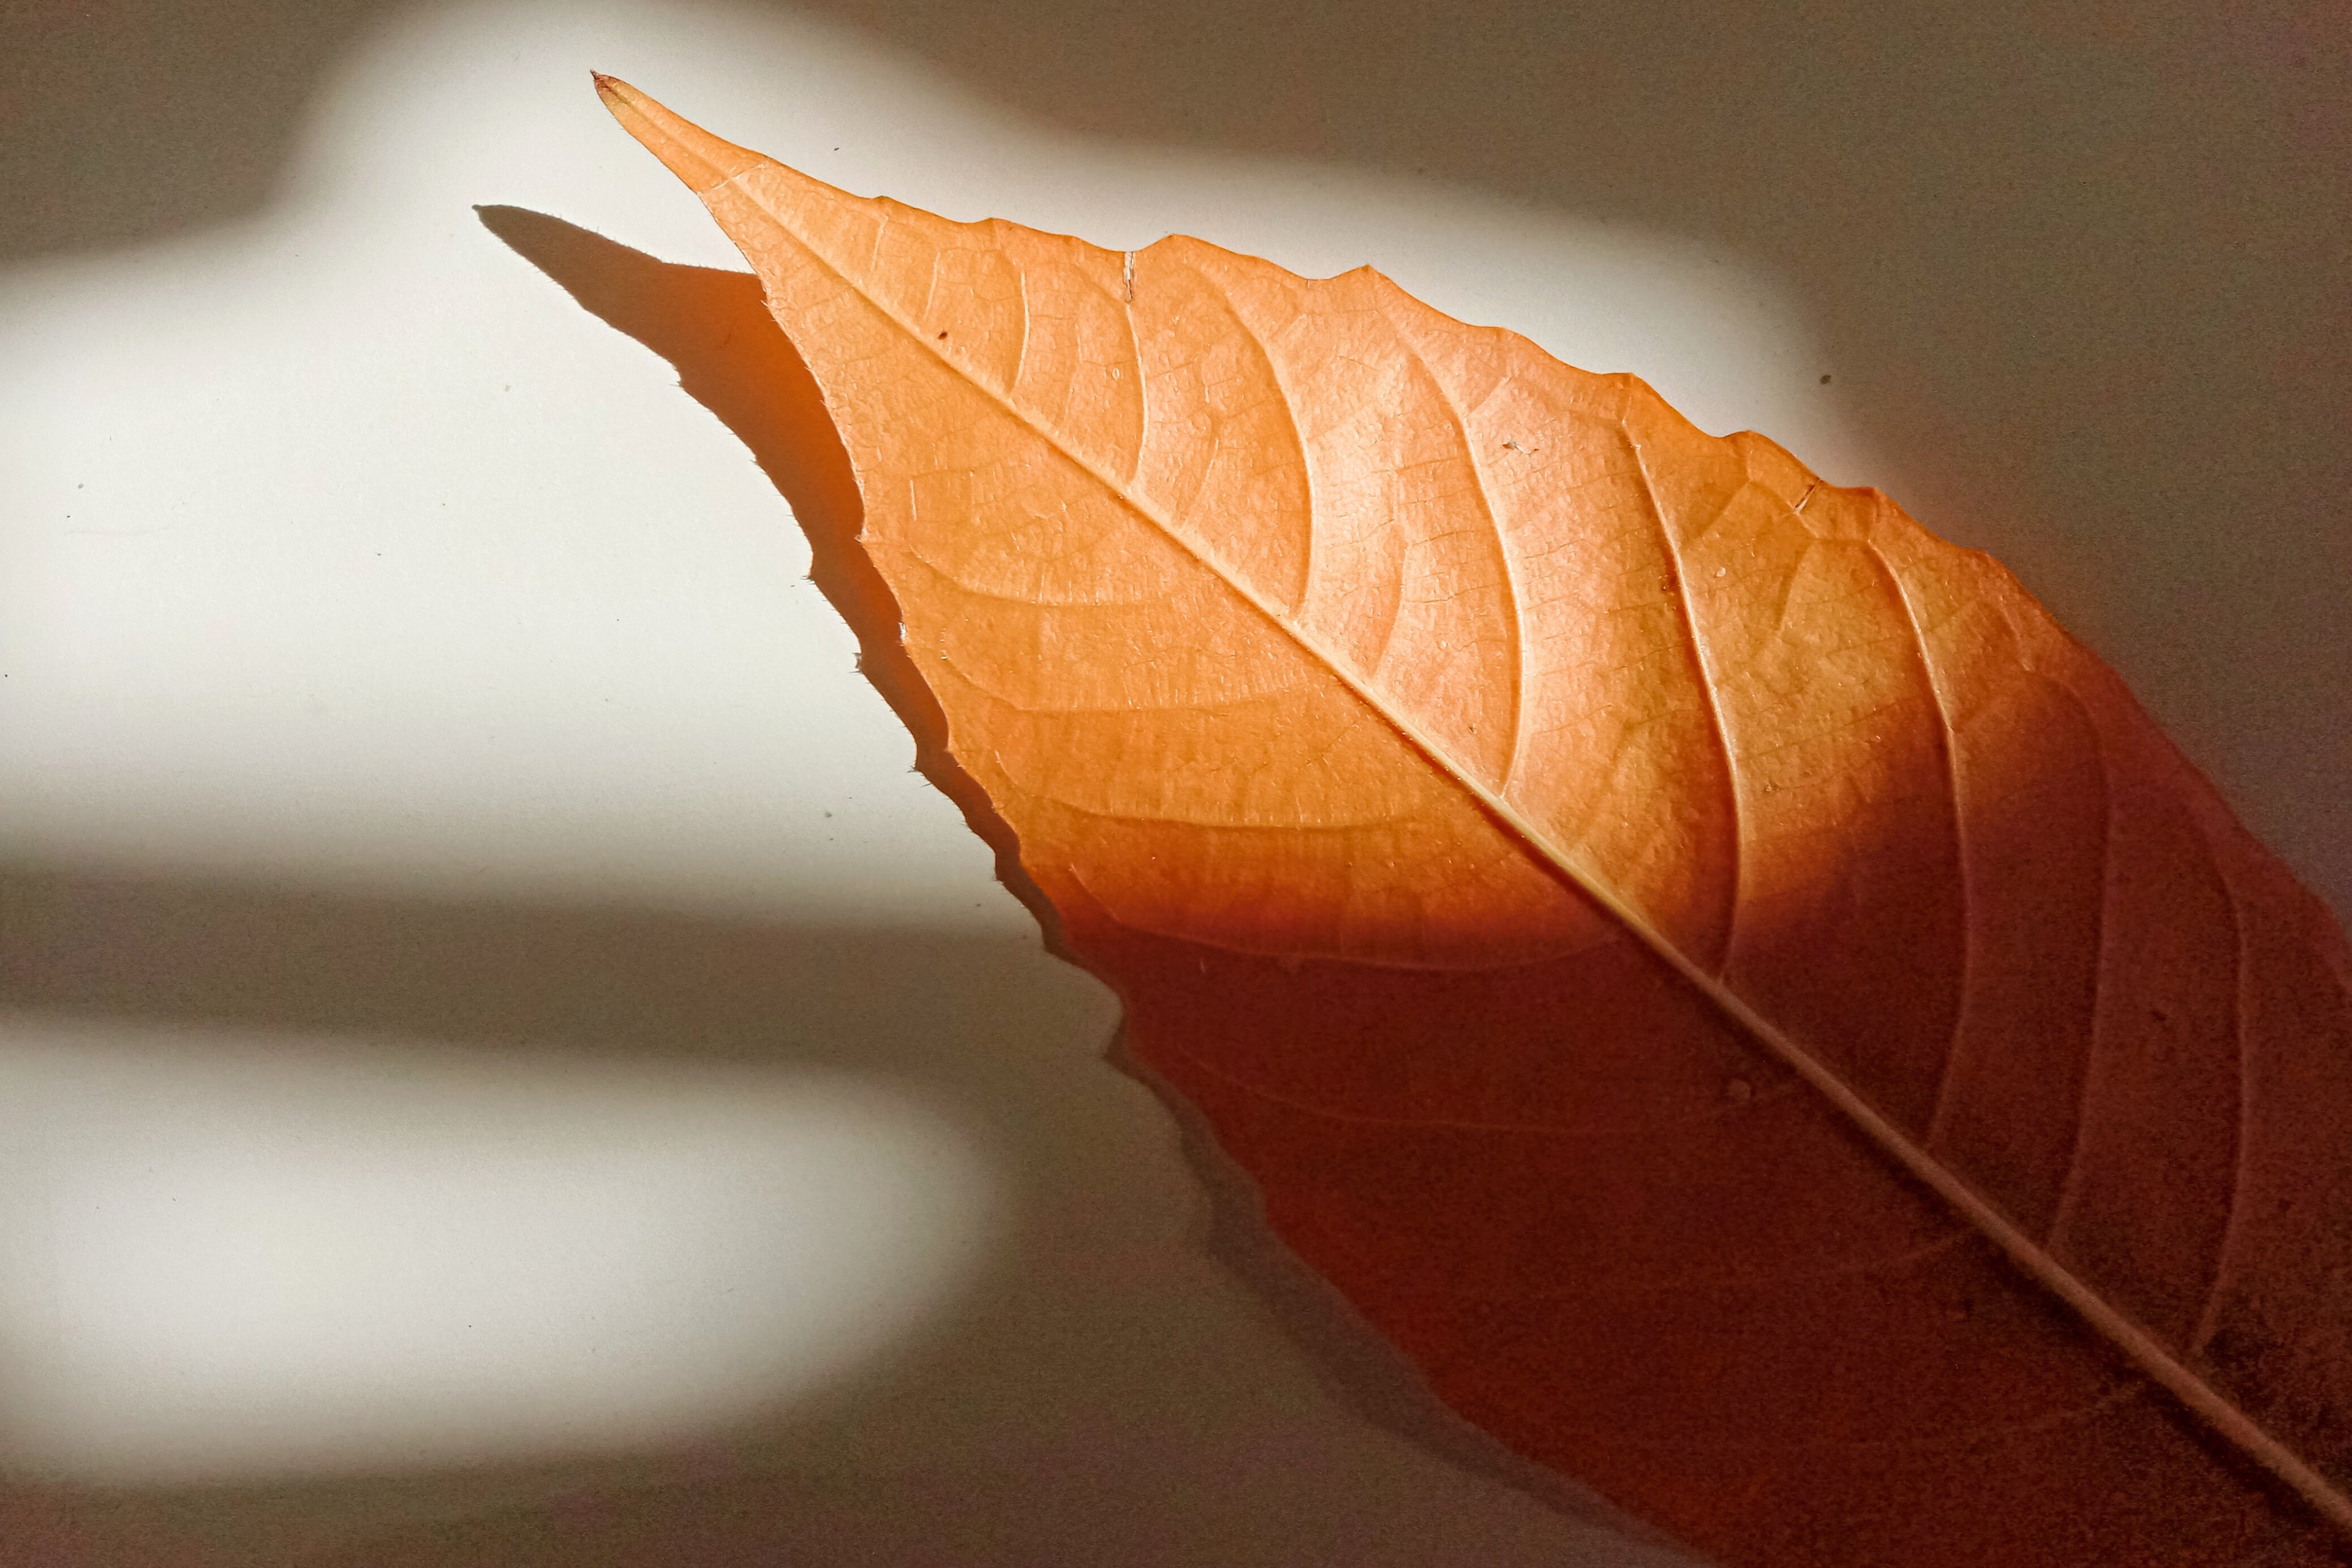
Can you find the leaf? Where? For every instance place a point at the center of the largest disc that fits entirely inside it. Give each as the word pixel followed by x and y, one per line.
pixel 1750 1007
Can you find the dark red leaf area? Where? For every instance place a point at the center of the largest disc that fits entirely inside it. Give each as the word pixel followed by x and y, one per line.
pixel 1617 1236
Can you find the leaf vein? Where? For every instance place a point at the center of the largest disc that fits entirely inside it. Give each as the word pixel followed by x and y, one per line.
pixel 1708 681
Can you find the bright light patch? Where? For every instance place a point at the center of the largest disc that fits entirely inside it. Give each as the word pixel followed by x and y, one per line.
pixel 228 1255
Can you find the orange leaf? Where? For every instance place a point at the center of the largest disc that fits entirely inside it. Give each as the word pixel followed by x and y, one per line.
pixel 1753 1010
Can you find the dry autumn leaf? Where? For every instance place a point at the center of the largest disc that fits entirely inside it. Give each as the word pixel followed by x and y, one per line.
pixel 1750 1007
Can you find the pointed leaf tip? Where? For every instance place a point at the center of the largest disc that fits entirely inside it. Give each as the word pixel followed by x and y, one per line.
pixel 703 160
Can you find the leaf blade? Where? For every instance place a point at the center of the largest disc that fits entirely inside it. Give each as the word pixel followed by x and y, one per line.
pixel 1855 544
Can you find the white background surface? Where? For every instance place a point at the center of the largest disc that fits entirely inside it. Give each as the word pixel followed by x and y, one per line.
pixel 495 1032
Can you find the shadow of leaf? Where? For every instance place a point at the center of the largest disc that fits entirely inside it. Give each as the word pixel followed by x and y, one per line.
pixel 730 357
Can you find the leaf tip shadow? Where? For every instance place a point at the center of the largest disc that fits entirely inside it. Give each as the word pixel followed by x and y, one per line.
pixel 713 328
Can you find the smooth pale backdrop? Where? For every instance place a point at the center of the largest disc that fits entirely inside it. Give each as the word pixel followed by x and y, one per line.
pixel 502 1061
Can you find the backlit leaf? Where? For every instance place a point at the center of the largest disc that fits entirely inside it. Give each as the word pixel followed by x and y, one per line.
pixel 1751 1009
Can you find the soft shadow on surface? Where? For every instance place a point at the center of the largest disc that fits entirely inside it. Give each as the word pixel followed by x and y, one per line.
pixel 2082 271
pixel 1086 1401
